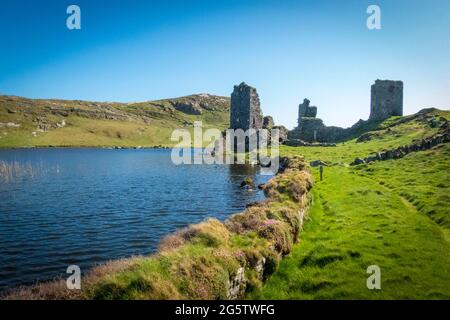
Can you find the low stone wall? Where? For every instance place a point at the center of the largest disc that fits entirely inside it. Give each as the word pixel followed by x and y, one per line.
pixel 301 143
pixel 400 152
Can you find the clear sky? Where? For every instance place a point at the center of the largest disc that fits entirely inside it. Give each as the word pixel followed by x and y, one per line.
pixel 144 50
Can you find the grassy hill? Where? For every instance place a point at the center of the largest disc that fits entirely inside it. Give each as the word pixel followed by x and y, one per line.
pixel 394 214
pixel 34 122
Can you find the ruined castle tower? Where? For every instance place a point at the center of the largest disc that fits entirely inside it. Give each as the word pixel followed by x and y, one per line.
pixel 304 110
pixel 245 108
pixel 386 99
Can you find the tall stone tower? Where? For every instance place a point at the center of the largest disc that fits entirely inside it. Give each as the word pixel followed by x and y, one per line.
pixel 306 111
pixel 386 99
pixel 245 108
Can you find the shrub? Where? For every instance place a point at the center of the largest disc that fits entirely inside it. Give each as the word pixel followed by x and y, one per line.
pixel 279 233
pixel 211 233
pixel 271 265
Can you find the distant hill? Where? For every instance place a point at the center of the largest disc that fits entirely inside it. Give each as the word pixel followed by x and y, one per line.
pixel 44 122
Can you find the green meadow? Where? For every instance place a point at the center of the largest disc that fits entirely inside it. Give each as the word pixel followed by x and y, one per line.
pixel 393 214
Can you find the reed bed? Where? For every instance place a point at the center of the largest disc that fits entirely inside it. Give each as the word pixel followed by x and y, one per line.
pixel 13 170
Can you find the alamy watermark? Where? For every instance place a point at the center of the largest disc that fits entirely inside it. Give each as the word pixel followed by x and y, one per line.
pixel 374 280
pixel 234 146
pixel 73 21
pixel 73 282
pixel 374 20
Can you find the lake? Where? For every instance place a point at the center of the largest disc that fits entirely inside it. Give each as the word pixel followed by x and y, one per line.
pixel 60 207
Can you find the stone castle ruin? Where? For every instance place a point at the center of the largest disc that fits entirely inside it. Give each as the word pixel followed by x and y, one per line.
pixel 245 114
pixel 245 111
pixel 245 108
pixel 386 101
pixel 304 110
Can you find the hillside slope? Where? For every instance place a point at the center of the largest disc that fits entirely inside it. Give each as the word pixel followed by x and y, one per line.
pixel 34 122
pixel 394 214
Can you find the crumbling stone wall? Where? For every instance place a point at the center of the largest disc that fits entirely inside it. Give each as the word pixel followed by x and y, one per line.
pixel 283 133
pixel 268 122
pixel 245 108
pixel 312 129
pixel 386 99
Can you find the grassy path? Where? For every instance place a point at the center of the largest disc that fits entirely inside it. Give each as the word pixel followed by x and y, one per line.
pixel 420 179
pixel 445 231
pixel 355 222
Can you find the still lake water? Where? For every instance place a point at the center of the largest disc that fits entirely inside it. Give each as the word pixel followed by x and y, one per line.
pixel 88 206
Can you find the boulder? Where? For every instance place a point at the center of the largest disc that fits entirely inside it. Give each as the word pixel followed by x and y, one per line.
pixel 236 286
pixel 371 159
pixel 357 161
pixel 247 183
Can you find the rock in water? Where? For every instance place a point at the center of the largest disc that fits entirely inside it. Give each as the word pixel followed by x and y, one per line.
pixel 247 183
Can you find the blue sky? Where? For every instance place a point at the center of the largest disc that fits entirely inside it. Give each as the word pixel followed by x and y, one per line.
pixel 144 50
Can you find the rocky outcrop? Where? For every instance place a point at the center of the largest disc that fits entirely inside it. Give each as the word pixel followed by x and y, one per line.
pixel 367 136
pixel 9 125
pixel 101 112
pixel 236 286
pixel 188 107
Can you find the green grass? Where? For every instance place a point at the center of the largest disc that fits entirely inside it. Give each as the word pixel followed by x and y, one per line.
pixel 421 178
pixel 354 223
pixel 194 271
pixel 393 214
pixel 143 124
